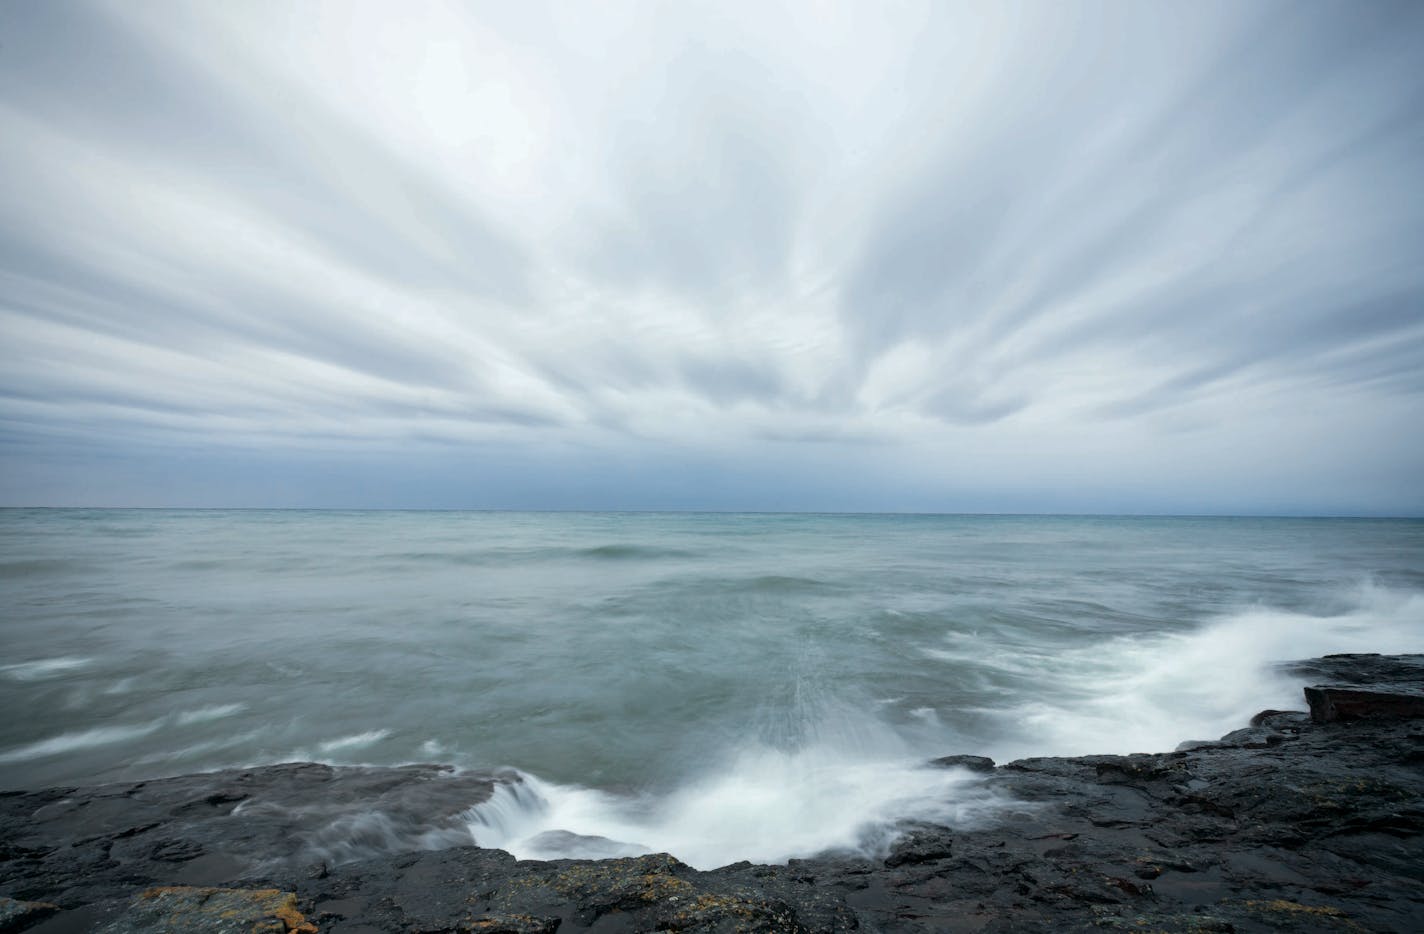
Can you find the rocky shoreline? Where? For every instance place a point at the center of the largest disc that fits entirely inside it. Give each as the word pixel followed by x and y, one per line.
pixel 1299 821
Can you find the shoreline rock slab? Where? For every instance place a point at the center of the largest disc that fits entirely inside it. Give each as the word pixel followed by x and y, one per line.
pixel 1288 824
pixel 1331 702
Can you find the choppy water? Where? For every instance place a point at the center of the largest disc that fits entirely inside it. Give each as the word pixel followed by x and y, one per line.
pixel 717 686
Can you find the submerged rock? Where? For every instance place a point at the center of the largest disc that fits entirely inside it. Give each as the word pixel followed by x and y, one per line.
pixel 921 846
pixel 972 763
pixel 1288 824
pixel 582 846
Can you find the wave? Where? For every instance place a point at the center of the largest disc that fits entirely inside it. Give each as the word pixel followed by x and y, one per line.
pixel 499 556
pixel 626 552
pixel 767 805
pixel 1148 693
pixel 83 739
pixel 208 714
pixel 201 750
pixel 779 583
pixel 855 781
pixel 42 668
pixel 354 741
pixel 80 740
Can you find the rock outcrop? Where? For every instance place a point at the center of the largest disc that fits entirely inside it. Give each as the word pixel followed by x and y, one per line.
pixel 1364 686
pixel 1293 823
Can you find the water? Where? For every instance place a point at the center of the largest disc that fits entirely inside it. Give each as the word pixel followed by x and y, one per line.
pixel 718 686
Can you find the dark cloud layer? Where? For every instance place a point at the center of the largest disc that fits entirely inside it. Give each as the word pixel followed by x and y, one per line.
pixel 1122 256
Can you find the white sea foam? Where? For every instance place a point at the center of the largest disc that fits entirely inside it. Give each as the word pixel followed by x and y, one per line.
pixel 768 805
pixel 208 714
pixel 926 715
pixel 1148 693
pixel 43 668
pixel 83 739
pixel 354 741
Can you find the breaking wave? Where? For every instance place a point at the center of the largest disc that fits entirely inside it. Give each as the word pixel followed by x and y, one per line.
pixel 1147 693
pixel 767 805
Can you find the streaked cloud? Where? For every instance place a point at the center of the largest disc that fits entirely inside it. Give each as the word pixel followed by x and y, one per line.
pixel 940 255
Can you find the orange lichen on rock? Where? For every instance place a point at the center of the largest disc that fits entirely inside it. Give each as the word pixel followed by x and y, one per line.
pixel 178 907
pixel 1280 906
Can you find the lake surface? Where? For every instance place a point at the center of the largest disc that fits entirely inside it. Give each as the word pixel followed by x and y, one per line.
pixel 713 685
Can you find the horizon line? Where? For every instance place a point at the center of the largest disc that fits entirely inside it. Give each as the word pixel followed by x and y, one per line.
pixel 736 512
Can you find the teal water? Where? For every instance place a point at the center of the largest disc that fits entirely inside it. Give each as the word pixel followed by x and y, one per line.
pixel 722 686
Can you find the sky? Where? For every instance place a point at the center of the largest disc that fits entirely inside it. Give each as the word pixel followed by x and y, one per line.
pixel 948 257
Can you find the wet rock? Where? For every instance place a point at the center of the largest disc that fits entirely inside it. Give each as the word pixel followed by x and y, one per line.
pixel 1359 668
pixel 17 915
pixel 175 851
pixel 225 827
pixel 1196 745
pixel 1280 912
pixel 626 884
pixel 972 763
pixel 182 909
pixel 510 924
pixel 1279 719
pixel 920 846
pixel 1253 737
pixel 1331 702
pixel 749 911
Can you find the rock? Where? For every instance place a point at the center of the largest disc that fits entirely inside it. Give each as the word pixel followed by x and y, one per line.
pixel 1196 745
pixel 225 827
pixel 17 915
pixel 920 846
pixel 1278 718
pixel 972 763
pixel 510 924
pixel 1360 668
pixel 183 909
pixel 625 884
pixel 1253 737
pixel 1331 702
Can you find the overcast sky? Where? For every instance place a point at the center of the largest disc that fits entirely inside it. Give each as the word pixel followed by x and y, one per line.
pixel 1120 256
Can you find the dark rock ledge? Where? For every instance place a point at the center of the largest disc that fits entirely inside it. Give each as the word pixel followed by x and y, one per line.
pixel 1291 823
